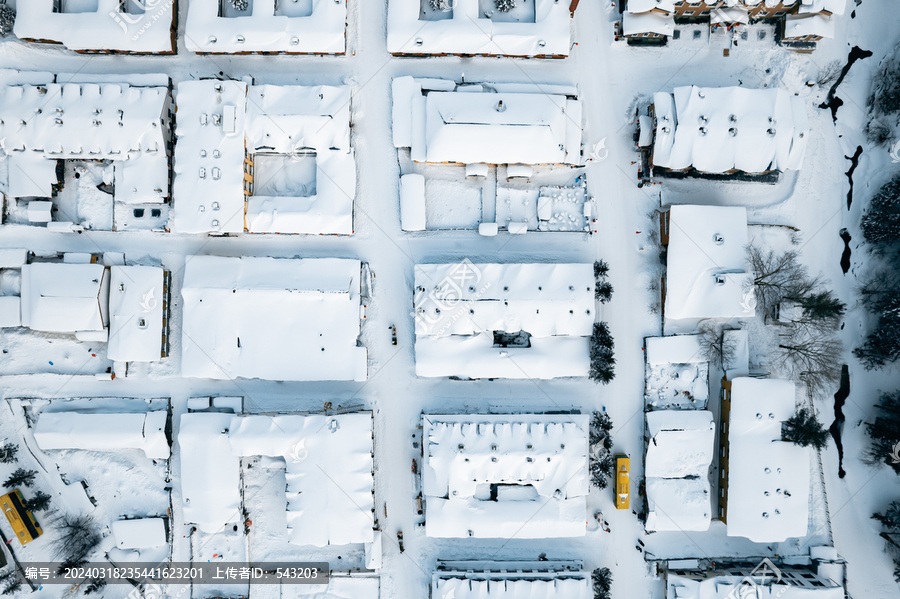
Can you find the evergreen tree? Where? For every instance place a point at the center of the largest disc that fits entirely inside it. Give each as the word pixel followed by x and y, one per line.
pixel 20 477
pixel 240 5
pixel 603 292
pixel 441 5
pixel 505 5
pixel 890 519
pixel 38 503
pixel 601 582
pixel 880 223
pixel 822 305
pixel 8 453
pixel 884 432
pixel 603 359
pixel 804 430
pixel 7 19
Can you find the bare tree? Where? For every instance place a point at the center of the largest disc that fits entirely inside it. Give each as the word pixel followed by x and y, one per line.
pixel 812 356
pixel 829 73
pixel 77 538
pixel 713 345
pixel 777 276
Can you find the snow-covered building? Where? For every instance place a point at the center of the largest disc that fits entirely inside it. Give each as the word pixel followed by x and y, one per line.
pixel 99 431
pixel 680 450
pixel 511 580
pixel 328 471
pixel 120 125
pixel 266 26
pixel 499 476
pixel 124 306
pixel 727 131
pixel 100 26
pixel 727 579
pixel 528 28
pixel 503 320
pixel 801 23
pixel 271 318
pixel 263 159
pixel 676 373
pixel 764 481
pixel 707 273
pixel 441 121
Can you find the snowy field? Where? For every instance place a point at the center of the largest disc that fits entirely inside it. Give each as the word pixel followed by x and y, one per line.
pixel 612 80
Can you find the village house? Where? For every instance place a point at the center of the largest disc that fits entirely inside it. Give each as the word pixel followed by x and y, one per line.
pixel 266 27
pixel 799 23
pixel 100 26
pixel 479 27
pixel 503 320
pixel 494 476
pixel 86 151
pixel 263 159
pixel 502 580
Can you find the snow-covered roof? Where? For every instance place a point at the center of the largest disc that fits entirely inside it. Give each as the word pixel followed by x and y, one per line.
pixel 728 587
pixel 459 306
pixel 706 264
pixel 210 472
pixel 511 585
pixel 329 465
pixel 135 313
pixel 835 7
pixel 729 15
pixel 674 349
pixel 104 26
pixel 634 23
pixel 104 432
pixel 269 318
pixel 218 120
pixel 484 125
pixel 539 464
pixel 679 454
pixel 717 130
pixel 470 30
pixel 64 298
pixel 310 27
pixel 768 479
pixel 139 533
pixel 739 364
pixel 638 6
pixel 802 25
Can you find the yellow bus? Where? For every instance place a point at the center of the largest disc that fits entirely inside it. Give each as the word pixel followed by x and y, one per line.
pixel 622 482
pixel 21 520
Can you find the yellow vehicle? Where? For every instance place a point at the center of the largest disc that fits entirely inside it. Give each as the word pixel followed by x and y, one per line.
pixel 622 482
pixel 21 520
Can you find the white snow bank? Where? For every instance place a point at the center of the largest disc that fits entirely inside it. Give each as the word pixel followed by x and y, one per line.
pixel 706 264
pixel 105 28
pixel 104 432
pixel 460 306
pixel 768 479
pixel 329 464
pixel 536 464
pixel 269 318
pixel 470 30
pixel 491 127
pixel 338 587
pixel 311 27
pixel 720 130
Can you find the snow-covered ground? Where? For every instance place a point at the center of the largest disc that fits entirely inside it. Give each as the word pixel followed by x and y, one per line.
pixel 613 79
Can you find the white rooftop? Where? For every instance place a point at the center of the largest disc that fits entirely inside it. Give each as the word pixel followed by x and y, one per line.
pixel 473 125
pixel 674 349
pixel 302 27
pixel 768 479
pixel 511 585
pixel 329 469
pixel 269 318
pixel 539 464
pixel 136 300
pixel 65 298
pixel 803 25
pixel 729 587
pixel 706 264
pixel 219 120
pixel 144 26
pixel 635 23
pixel 460 306
pixel 467 29
pixel 139 533
pixel 104 432
pixel 725 129
pixel 679 455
